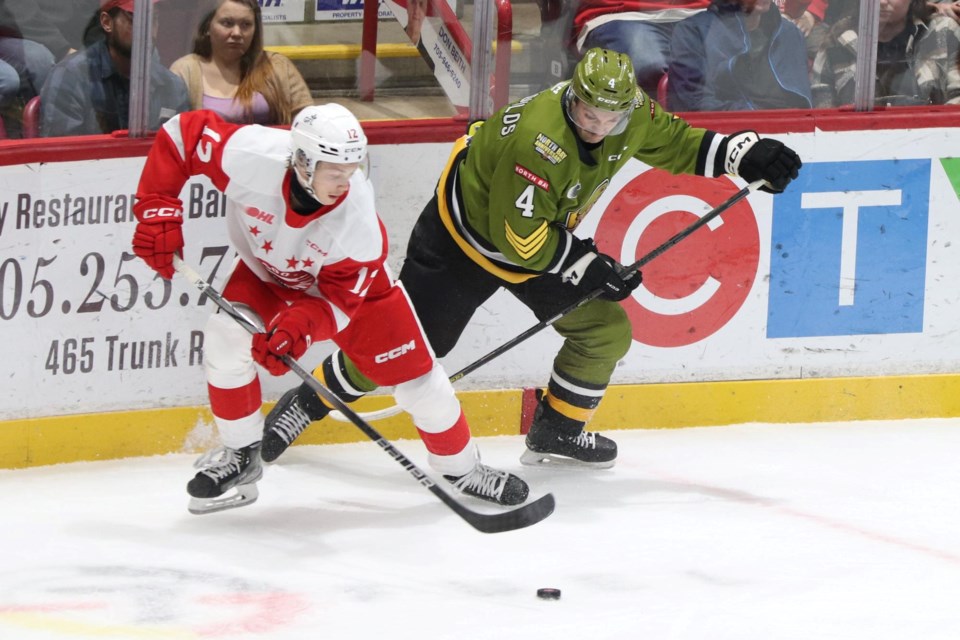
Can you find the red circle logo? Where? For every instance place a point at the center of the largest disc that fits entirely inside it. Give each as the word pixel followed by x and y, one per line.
pixel 697 285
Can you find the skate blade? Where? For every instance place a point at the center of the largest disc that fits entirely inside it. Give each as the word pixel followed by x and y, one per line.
pixel 534 458
pixel 244 494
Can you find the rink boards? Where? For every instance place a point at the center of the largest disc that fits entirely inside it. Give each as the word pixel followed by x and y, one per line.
pixel 835 300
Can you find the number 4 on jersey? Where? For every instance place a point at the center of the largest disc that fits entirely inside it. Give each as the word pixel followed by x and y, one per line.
pixel 524 202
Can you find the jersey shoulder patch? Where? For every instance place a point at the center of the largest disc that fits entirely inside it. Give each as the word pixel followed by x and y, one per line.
pixel 549 149
pixel 255 160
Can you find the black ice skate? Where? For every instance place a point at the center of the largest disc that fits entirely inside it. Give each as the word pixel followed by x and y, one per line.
pixel 294 412
pixel 222 470
pixel 491 485
pixel 549 441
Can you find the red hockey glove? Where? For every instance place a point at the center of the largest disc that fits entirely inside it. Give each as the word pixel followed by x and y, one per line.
pixel 590 270
pixel 290 333
pixel 158 234
pixel 751 157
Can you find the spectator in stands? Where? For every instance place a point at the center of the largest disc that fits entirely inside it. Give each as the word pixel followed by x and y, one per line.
pixel 639 28
pixel 916 57
pixel 230 73
pixel 24 62
pixel 24 67
pixel 948 8
pixel 738 57
pixel 89 93
pixel 56 24
pixel 809 16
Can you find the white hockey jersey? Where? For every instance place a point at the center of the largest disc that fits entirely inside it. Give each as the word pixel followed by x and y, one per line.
pixel 332 254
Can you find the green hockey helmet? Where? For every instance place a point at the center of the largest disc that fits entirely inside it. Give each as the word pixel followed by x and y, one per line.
pixel 605 80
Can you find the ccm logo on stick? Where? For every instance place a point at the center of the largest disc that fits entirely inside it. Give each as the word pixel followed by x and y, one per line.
pixel 395 353
pixel 162 212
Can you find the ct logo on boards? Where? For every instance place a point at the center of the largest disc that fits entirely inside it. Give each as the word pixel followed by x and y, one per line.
pixel 696 286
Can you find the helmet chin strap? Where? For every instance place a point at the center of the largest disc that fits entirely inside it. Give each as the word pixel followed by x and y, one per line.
pixel 305 182
pixel 304 199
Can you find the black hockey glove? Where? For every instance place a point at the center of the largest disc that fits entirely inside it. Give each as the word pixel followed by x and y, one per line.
pixel 751 157
pixel 589 270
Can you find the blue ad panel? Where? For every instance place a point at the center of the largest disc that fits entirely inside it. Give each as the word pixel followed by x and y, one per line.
pixel 849 250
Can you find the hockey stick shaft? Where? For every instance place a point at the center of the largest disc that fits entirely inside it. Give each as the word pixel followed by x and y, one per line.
pixel 628 271
pixel 524 516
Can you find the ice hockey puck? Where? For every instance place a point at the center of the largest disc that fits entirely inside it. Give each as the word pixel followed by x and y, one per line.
pixel 548 593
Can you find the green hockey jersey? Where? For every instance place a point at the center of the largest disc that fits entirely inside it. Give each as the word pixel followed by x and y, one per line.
pixel 514 192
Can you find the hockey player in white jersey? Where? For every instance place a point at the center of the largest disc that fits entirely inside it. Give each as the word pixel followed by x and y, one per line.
pixel 312 266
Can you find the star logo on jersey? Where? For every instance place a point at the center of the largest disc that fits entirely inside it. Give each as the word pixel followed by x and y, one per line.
pixel 267 246
pixel 292 262
pixel 254 231
pixel 307 263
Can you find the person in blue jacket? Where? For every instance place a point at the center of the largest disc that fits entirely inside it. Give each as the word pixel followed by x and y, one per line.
pixel 738 55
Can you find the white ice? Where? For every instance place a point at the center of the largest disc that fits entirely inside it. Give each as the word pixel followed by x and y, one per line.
pixel 843 531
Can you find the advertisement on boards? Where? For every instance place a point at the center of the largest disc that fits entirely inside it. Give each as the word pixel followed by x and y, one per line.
pixel 851 271
pixel 433 28
pixel 279 11
pixel 843 274
pixel 346 10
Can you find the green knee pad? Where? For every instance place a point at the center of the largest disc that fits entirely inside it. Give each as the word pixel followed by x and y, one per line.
pixel 597 335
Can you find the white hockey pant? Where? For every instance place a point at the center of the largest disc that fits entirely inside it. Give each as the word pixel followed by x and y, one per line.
pixel 229 366
pixel 431 402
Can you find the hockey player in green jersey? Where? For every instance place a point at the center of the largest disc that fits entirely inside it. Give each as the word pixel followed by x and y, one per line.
pixel 504 215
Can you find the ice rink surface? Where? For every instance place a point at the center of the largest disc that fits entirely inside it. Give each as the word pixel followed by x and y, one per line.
pixel 845 531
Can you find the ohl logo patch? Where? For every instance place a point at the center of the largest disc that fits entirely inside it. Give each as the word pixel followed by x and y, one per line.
pixel 694 288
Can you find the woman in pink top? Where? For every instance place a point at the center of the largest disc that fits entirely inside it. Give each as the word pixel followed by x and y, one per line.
pixel 230 73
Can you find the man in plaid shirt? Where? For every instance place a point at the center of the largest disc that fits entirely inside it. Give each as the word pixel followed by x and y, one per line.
pixel 916 58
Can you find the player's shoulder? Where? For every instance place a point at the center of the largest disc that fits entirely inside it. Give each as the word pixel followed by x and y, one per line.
pixel 546 144
pixel 253 153
pixel 263 141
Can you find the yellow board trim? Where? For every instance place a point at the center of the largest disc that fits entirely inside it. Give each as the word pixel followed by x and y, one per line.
pixel 105 436
pixel 343 51
pixel 353 51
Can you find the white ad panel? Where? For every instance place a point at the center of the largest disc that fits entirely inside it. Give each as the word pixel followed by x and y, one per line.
pixel 852 271
pixel 346 10
pixel 438 46
pixel 279 11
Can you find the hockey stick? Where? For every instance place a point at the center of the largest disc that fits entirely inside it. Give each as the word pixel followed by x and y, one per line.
pixel 524 516
pixel 627 271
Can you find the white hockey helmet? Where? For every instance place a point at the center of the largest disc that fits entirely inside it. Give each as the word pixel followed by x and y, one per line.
pixel 327 133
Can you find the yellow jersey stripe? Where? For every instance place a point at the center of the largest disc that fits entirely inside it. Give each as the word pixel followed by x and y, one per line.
pixel 530 245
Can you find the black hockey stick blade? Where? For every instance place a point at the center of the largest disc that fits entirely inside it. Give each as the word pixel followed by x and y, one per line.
pixel 523 516
pixel 519 518
pixel 627 271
